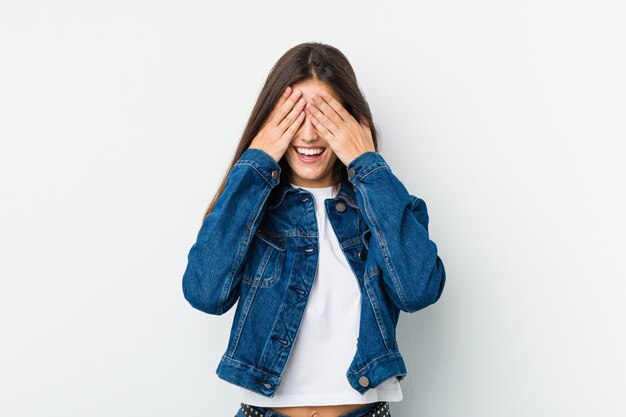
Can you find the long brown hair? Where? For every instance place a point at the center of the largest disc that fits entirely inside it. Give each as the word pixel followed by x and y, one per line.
pixel 304 61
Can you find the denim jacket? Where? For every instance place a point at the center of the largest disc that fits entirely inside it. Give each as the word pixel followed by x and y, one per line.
pixel 259 246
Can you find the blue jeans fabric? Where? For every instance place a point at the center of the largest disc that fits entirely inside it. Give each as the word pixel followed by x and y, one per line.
pixel 259 249
pixel 377 409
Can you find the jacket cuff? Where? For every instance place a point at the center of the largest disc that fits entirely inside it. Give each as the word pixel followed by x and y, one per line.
pixel 364 164
pixel 263 163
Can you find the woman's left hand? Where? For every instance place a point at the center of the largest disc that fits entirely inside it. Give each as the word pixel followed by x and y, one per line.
pixel 347 137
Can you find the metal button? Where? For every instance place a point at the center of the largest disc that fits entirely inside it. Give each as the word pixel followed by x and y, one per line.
pixel 340 206
pixel 275 173
pixel 351 172
pixel 363 381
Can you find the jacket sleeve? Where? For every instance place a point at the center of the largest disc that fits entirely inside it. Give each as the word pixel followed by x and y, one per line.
pixel 412 272
pixel 214 263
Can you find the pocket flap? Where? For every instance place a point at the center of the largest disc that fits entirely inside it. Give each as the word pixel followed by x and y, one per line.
pixel 277 242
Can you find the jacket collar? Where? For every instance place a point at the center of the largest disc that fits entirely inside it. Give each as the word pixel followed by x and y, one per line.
pixel 277 196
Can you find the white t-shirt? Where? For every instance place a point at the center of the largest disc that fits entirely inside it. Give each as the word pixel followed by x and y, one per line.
pixel 315 373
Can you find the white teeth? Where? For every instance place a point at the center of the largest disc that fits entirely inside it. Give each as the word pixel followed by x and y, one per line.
pixel 306 151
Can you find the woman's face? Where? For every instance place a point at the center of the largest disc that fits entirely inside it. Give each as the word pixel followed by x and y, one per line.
pixel 310 171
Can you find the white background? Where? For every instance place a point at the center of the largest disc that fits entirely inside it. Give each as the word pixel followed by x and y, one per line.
pixel 118 120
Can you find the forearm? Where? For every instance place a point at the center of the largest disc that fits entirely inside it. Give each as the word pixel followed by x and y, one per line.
pixel 212 274
pixel 413 273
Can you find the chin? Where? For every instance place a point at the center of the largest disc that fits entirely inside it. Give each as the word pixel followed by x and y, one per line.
pixel 309 175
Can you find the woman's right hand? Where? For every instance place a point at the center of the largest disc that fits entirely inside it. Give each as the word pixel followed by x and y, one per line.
pixel 283 122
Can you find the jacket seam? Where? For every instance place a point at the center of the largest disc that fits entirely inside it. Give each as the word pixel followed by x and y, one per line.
pixel 385 255
pixel 253 166
pixel 365 174
pixel 367 365
pixel 375 307
pixel 244 315
pixel 250 366
pixel 243 245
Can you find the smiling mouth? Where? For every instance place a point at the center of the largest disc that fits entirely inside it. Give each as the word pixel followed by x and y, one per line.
pixel 312 151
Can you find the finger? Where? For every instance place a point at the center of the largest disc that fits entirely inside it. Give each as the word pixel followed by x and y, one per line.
pixel 328 112
pixel 286 107
pixel 293 128
pixel 291 117
pixel 323 117
pixel 280 101
pixel 333 103
pixel 324 132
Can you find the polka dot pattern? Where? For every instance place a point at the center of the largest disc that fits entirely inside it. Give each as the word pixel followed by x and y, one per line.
pixel 381 409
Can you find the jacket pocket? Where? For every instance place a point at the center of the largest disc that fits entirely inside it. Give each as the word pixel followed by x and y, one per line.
pixel 265 259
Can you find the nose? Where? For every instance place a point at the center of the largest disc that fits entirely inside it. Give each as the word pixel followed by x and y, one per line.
pixel 307 128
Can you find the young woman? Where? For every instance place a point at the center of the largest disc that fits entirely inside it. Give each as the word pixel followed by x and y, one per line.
pixel 320 245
